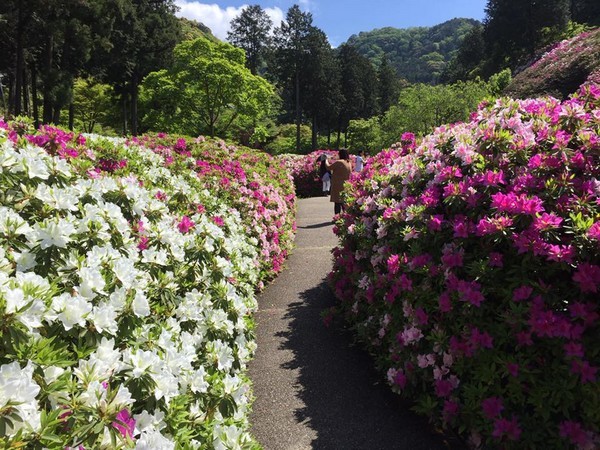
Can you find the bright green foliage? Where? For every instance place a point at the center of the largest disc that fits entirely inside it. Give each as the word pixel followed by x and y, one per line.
pixel 206 91
pixel 285 140
pixel 365 134
pixel 421 108
pixel 92 103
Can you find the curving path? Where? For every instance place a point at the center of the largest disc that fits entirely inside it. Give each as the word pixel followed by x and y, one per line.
pixel 313 388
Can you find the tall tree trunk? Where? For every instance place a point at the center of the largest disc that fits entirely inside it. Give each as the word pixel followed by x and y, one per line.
pixel 11 94
pixel 2 98
pixel 134 104
pixel 346 137
pixel 124 114
pixel 56 116
pixel 328 136
pixel 26 108
pixel 298 116
pixel 19 62
pixel 339 131
pixel 71 115
pixel 47 116
pixel 314 132
pixel 36 113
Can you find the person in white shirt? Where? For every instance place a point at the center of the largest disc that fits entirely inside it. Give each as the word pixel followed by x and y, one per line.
pixel 360 161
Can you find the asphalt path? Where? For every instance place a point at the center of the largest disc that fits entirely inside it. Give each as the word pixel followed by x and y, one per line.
pixel 313 388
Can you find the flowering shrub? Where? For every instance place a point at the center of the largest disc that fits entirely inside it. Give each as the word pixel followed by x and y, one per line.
pixel 126 292
pixel 562 69
pixel 254 183
pixel 305 171
pixel 469 265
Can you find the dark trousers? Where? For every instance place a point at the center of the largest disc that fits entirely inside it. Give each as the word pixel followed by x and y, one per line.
pixel 338 208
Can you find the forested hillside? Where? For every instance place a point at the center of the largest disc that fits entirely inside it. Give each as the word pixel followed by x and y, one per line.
pixel 419 54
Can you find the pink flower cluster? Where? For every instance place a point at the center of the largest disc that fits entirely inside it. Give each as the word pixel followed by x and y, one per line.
pixel 471 267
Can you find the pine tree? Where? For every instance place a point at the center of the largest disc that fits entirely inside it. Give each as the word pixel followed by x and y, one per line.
pixel 250 32
pixel 389 85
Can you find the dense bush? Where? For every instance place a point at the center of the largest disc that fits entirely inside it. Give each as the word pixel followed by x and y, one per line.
pixel 562 69
pixel 127 281
pixel 470 266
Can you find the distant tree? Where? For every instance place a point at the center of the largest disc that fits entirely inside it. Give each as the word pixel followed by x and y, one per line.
pixel 91 103
pixel 365 134
pixel 389 85
pixel 470 58
pixel 320 85
pixel 291 46
pixel 514 29
pixel 207 89
pixel 250 32
pixel 585 11
pixel 359 87
pixel 145 34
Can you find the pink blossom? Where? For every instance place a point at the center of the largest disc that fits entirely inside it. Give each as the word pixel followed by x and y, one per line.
pixel 575 432
pixel 508 428
pixel 125 423
pixel 445 304
pixel 522 293
pixel 143 243
pixel 594 231
pixel 573 349
pixel 546 222
pixel 218 220
pixel 492 407
pixel 496 259
pixel 586 371
pixel 513 369
pixel 185 224
pixel 450 410
pixel 588 277
pixel 443 388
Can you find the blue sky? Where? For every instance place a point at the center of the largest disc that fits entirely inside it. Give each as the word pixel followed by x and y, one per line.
pixel 339 19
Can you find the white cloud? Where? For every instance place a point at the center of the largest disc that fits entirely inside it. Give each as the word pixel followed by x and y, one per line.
pixel 218 19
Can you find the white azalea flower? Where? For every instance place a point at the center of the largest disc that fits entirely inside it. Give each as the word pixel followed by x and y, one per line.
pixel 50 233
pixel 153 440
pixel 140 305
pixel 197 380
pixel 222 354
pixel 71 310
pixel 104 318
pixel 17 386
pixel 92 282
pixel 25 260
pixel 141 362
pixel 149 422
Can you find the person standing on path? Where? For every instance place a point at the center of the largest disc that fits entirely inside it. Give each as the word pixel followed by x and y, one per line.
pixel 324 174
pixel 360 161
pixel 340 172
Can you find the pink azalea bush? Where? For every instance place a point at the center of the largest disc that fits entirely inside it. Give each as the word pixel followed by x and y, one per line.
pixel 469 264
pixel 561 69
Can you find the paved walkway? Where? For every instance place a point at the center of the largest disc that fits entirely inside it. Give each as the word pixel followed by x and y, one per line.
pixel 313 388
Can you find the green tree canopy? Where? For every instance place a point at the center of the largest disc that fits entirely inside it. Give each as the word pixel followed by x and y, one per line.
pixel 207 89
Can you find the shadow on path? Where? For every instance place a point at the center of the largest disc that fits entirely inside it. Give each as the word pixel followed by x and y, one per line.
pixel 345 401
pixel 317 225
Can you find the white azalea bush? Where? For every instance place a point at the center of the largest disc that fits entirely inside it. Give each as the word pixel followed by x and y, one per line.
pixel 125 317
